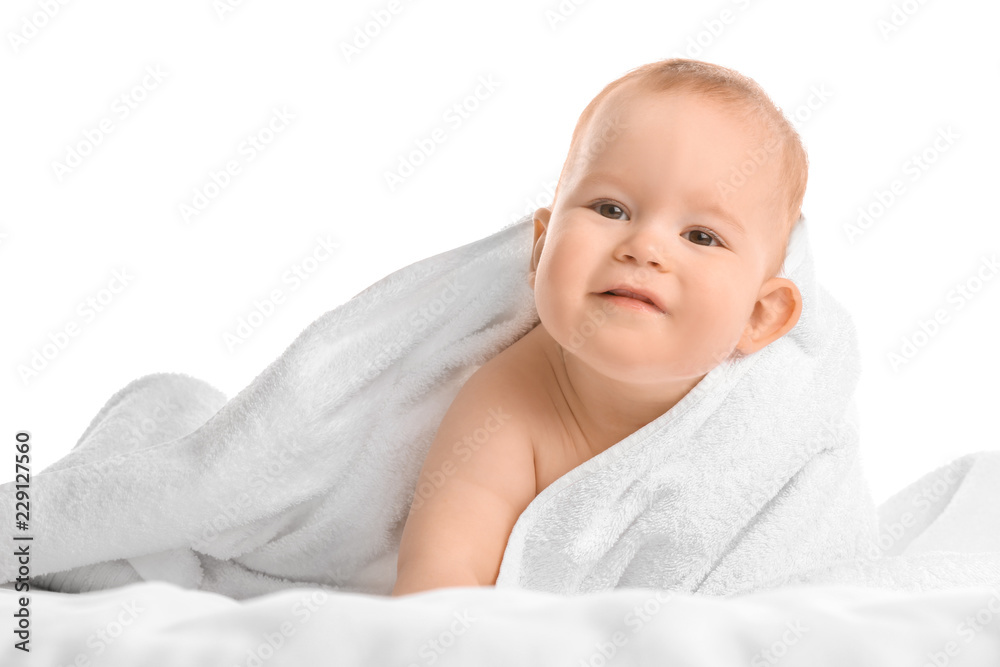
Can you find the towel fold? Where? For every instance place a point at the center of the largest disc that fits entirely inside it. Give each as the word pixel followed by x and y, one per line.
pixel 305 477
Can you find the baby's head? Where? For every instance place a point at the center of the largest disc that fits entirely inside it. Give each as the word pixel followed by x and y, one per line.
pixel 683 181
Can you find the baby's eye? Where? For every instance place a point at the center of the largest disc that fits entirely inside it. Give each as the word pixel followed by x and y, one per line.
pixel 610 210
pixel 702 235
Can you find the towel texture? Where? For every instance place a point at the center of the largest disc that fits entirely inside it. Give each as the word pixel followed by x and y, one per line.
pixel 305 477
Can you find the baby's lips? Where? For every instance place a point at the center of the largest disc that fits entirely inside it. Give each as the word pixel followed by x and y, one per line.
pixel 622 300
pixel 624 289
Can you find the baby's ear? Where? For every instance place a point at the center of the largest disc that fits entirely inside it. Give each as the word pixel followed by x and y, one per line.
pixel 541 220
pixel 777 310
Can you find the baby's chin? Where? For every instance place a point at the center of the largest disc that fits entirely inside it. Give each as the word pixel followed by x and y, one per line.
pixel 636 366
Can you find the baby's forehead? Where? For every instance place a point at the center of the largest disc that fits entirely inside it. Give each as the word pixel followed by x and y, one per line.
pixel 614 111
pixel 626 111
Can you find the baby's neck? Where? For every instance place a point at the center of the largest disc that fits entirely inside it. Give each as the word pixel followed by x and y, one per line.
pixel 605 410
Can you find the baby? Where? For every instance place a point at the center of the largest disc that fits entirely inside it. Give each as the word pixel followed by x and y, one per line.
pixel 656 261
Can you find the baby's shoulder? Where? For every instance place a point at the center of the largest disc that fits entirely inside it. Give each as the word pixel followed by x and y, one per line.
pixel 521 379
pixel 514 376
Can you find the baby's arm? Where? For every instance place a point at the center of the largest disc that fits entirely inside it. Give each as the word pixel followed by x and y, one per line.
pixel 469 494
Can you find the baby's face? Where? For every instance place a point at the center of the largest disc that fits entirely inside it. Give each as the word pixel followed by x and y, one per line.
pixel 643 207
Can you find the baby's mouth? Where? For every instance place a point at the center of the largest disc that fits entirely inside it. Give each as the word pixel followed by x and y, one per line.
pixel 631 295
pixel 632 301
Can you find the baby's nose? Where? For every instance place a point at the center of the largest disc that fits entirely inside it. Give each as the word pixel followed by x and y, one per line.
pixel 646 248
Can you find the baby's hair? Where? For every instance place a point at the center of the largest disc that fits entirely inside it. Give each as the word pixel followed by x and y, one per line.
pixel 738 95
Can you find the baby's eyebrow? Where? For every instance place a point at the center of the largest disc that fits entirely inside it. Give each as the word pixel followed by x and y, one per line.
pixel 709 206
pixel 592 177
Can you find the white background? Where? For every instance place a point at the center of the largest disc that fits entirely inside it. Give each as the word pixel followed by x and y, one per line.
pixel 323 176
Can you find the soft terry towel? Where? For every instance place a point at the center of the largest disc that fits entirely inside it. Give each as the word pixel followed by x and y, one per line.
pixel 306 476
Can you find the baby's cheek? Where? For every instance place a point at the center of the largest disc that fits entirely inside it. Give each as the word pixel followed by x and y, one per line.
pixel 706 350
pixel 716 331
pixel 551 303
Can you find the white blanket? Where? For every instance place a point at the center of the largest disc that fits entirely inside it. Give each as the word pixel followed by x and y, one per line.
pixel 155 623
pixel 305 477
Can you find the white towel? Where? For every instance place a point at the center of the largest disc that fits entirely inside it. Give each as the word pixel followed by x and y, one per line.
pixel 305 477
pixel 941 531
